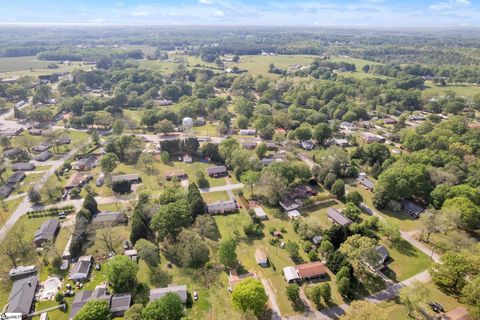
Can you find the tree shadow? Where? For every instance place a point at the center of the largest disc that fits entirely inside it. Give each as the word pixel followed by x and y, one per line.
pixel 404 247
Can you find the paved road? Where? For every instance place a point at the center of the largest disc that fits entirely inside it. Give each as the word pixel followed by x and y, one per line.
pixel 25 205
pixel 223 188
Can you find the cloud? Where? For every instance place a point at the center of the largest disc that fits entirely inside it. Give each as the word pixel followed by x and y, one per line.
pixel 140 14
pixel 218 13
pixel 450 5
pixel 205 1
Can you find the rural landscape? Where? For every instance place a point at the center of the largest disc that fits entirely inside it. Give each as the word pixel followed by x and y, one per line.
pixel 168 173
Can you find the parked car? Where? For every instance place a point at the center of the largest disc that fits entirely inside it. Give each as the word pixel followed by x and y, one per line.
pixel 437 307
pixel 195 295
pixel 62 215
pixel 98 266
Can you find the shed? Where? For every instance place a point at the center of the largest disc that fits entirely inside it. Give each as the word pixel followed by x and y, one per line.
pixel 365 182
pixel 132 254
pixel 260 213
pixel 291 275
pixel 261 257
pixel 294 214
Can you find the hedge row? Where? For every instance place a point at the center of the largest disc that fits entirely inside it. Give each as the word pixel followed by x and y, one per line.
pixel 52 210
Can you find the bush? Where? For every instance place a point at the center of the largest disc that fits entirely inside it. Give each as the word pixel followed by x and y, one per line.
pixel 59 297
pixel 122 187
pixel 253 229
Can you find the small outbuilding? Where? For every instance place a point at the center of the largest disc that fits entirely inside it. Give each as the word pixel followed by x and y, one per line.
pixel 261 257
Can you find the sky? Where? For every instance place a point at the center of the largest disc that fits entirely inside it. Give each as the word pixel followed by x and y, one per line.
pixel 373 13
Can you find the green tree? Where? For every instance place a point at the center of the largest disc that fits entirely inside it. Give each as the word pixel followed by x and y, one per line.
pixel 251 178
pixel 122 274
pixel 134 312
pixel 170 219
pixel 168 307
pixel 322 132
pixel 354 197
pixel 261 150
pixel 343 286
pixel 303 133
pixel 195 201
pixel 148 251
pixel 34 196
pixel 390 230
pixel 249 295
pixel 227 253
pixel 108 162
pixel 414 296
pixel 452 270
pixel 293 292
pixel 90 204
pixel 118 127
pixel 164 126
pixel 470 213
pixel 326 292
pixel 94 310
pixel 471 296
pixel 351 211
pixel 338 188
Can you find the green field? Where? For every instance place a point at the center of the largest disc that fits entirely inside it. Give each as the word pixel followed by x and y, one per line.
pixel 458 89
pixel 31 66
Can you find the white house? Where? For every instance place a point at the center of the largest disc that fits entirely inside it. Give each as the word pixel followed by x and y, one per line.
pixel 294 214
pixel 222 207
pixel 260 213
pixel 80 270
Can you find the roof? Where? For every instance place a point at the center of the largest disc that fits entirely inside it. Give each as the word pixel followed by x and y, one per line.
pixel 22 295
pixel 221 206
pixel 157 293
pixel 459 313
pixel 259 212
pixel 16 177
pixel 288 204
pixel 364 181
pixel 80 269
pixel 338 217
pixel 47 230
pixel 293 214
pixel 109 217
pixel 11 152
pixel 216 170
pixel 412 207
pixel 261 255
pixel 23 166
pixel 120 302
pixel 290 274
pixel 382 251
pixel 312 269
pixel 77 179
pixel 5 190
pixel 44 156
pixel 127 177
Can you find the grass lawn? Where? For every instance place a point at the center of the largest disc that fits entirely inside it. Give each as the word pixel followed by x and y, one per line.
pixel 7 208
pixel 29 180
pixel 215 196
pixel 405 260
pixel 31 66
pixel 460 89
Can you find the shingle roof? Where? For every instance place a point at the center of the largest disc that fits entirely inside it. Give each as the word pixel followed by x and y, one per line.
pixel 312 269
pixel 22 295
pixel 157 293
pixel 23 166
pixel 338 217
pixel 47 230
pixel 216 170
pixel 127 177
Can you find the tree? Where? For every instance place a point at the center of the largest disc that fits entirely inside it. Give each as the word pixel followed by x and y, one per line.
pixel 108 162
pixel 450 273
pixel 122 274
pixel 351 211
pixel 122 186
pixel 414 296
pixel 249 295
pixel 343 286
pixel 471 296
pixel 164 126
pixel 90 204
pixel 361 252
pixel 470 213
pixel 364 310
pixel 191 250
pixel 354 197
pixel 117 127
pixel 338 188
pixel 134 312
pixel 390 230
pixel 146 160
pixel 206 227
pixel 250 178
pixel 293 250
pixel 59 297
pixel 322 132
pixel 244 107
pixel 326 292
pixel 293 292
pixel 326 247
pixel 195 200
pixel 430 223
pixel 34 196
pixel 168 307
pixel 170 219
pixel 261 150
pixel 148 251
pixel 140 222
pixel 227 253
pixel 303 133
pixel 94 310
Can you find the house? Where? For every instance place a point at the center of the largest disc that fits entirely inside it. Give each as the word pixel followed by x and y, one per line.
pixel 21 272
pixel 294 214
pixel 288 204
pixel 13 152
pixel 86 164
pixel 365 182
pixel 80 270
pixel 341 142
pixel 132 254
pixel 260 213
pixel 77 180
pixel 132 178
pixel 157 293
pixel 222 207
pixel 111 219
pixel 64 140
pixel 347 126
pixel 23 166
pixel 249 145
pixel 44 156
pixel 412 208
pixel 187 159
pixel 119 303
pixel 22 296
pixel 459 313
pixel 47 232
pixel 302 192
pixel 368 137
pixel 16 177
pixel 248 132
pixel 414 117
pixel 41 147
pixel 291 275
pixel 180 174
pixel 267 161
pixel 311 270
pixel 337 217
pixel 216 172
pixel 234 278
pixel 261 257
pixel 35 132
pixel 383 253
pixel 271 146
pixel 11 132
pixel 317 240
pixel 389 121
pixel 5 191
pixel 307 145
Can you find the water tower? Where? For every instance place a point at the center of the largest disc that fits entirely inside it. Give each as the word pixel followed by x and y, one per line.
pixel 187 124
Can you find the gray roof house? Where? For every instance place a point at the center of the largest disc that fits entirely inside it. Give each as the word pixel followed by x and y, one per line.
pixel 47 232
pixel 5 191
pixel 109 218
pixel 157 293
pixel 9 153
pixel 412 208
pixel 81 269
pixel 365 182
pixel 44 156
pixel 42 146
pixel 16 177
pixel 23 166
pixel 22 296
pixel 133 178
pixel 337 217
pixel 217 171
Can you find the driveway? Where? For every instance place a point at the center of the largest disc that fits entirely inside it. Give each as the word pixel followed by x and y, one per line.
pixel 272 299
pixel 227 188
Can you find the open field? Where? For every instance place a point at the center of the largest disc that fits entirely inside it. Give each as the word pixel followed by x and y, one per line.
pixel 31 66
pixel 458 89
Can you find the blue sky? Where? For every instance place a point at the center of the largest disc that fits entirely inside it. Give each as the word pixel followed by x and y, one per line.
pixel 399 13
